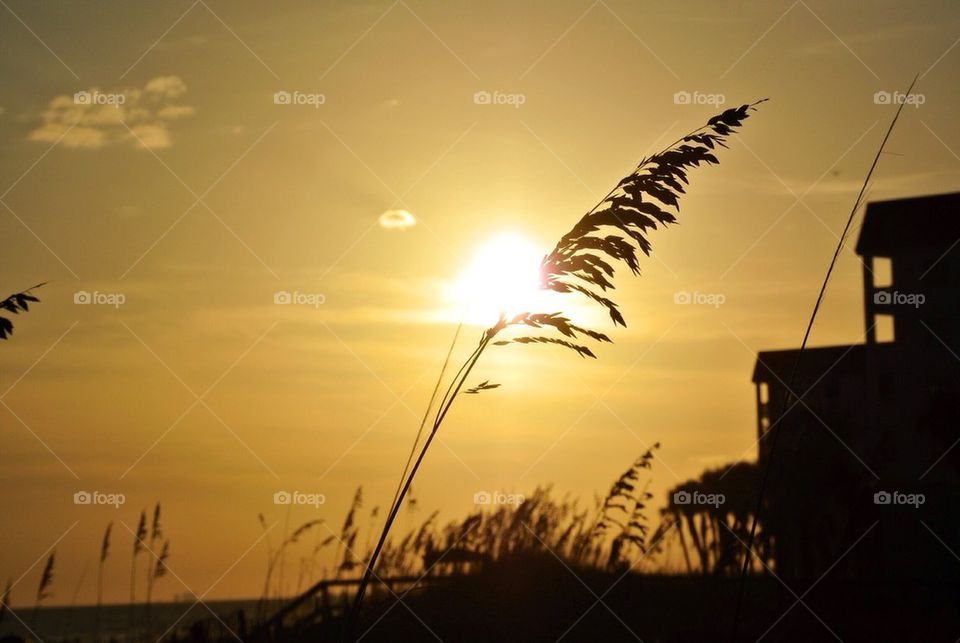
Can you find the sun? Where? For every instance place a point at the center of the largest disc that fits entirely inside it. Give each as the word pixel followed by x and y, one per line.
pixel 502 277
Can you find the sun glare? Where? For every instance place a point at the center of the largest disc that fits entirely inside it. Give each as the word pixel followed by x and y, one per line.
pixel 503 276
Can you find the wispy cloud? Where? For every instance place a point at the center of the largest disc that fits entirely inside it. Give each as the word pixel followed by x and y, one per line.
pixel 397 220
pixel 93 118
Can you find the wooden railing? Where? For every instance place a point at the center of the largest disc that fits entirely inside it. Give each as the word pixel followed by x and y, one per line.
pixel 293 615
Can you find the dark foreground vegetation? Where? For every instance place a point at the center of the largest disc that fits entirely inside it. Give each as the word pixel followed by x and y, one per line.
pixel 538 598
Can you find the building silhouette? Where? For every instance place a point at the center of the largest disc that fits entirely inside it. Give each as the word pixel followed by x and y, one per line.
pixel 864 480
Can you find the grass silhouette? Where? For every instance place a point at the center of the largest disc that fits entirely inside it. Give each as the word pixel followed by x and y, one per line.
pixel 16 303
pixel 583 261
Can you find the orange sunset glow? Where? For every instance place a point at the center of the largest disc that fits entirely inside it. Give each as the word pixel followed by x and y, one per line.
pixel 579 256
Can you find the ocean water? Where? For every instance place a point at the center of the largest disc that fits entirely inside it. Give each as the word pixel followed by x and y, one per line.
pixel 120 623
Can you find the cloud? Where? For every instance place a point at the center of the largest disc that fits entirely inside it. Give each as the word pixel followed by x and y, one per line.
pixel 171 86
pixel 92 119
pixel 152 137
pixel 173 112
pixel 397 220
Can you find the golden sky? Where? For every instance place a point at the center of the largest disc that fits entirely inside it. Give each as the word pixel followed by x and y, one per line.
pixel 365 187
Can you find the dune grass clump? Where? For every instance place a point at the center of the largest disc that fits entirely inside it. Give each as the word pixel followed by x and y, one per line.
pixel 43 587
pixel 611 532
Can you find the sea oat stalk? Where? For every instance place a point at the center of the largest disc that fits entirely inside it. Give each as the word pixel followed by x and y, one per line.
pixel 582 262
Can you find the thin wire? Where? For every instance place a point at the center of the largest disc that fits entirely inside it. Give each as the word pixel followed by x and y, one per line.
pixel 426 413
pixel 796 364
